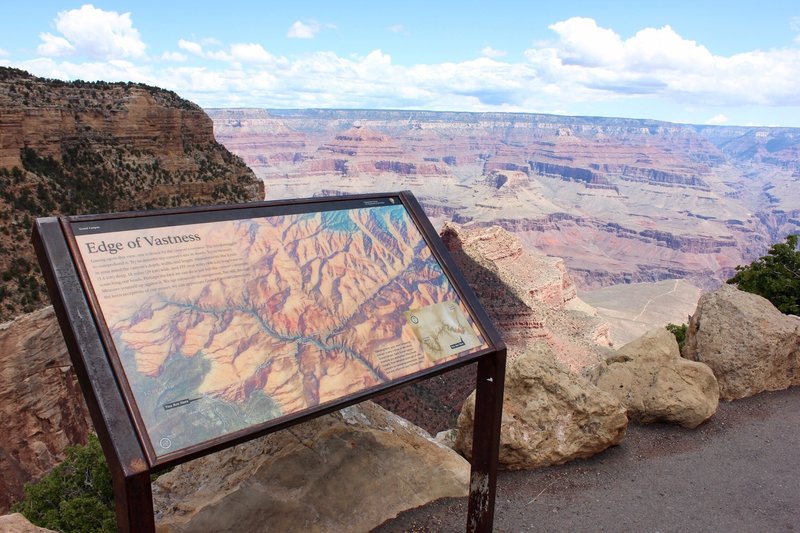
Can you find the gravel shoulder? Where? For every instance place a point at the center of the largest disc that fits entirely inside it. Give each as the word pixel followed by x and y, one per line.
pixel 739 471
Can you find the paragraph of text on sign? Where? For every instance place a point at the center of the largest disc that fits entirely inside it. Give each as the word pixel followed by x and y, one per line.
pixel 121 276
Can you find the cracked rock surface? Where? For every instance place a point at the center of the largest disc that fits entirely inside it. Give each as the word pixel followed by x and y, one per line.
pixel 651 379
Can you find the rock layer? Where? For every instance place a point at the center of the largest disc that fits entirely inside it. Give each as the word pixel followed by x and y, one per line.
pixel 750 345
pixel 70 148
pixel 550 415
pixel 77 147
pixel 530 296
pixel 655 384
pixel 347 471
pixel 621 200
pixel 40 402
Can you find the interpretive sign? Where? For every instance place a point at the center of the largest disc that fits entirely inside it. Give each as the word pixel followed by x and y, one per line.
pixel 220 324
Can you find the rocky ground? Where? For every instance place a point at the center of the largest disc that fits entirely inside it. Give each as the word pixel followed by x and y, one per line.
pixel 736 472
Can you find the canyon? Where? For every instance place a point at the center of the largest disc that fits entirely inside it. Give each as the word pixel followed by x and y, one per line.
pixel 621 200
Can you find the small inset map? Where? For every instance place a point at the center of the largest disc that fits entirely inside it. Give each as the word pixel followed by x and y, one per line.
pixel 443 329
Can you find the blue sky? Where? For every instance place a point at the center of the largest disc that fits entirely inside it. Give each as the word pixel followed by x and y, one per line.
pixel 698 62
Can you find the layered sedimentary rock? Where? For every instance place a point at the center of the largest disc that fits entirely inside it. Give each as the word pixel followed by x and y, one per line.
pixel 620 200
pixel 70 148
pixel 76 147
pixel 530 297
pixel 550 415
pixel 346 471
pixel 362 151
pixel 40 401
pixel 52 118
pixel 655 384
pixel 750 345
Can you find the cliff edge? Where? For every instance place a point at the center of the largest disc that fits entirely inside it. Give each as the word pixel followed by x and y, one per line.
pixel 79 147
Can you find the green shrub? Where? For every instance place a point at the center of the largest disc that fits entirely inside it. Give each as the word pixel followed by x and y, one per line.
pixel 679 332
pixel 76 496
pixel 775 276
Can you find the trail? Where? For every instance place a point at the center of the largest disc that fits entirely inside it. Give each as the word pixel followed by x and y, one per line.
pixel 674 288
pixel 736 472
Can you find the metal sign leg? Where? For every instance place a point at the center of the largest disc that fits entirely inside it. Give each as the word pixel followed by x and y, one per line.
pixel 486 442
pixel 133 500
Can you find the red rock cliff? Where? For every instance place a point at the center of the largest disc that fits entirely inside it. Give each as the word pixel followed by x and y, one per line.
pixel 70 148
pixel 40 402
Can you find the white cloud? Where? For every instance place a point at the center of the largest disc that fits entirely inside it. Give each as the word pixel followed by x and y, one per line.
pixel 300 30
pixel 95 33
pixel 597 62
pixel 210 41
pixel 173 56
pixel 238 54
pixel 397 28
pixel 54 46
pixel 190 46
pixel 717 119
pixel 584 67
pixel 653 49
pixel 582 42
pixel 488 51
pixel 250 53
pixel 3 53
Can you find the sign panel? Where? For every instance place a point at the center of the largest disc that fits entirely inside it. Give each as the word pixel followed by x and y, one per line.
pixel 220 321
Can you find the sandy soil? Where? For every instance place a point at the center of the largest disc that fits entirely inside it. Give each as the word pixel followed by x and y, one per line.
pixel 633 309
pixel 740 471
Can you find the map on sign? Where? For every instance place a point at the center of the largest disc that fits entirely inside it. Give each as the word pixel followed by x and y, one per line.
pixel 222 325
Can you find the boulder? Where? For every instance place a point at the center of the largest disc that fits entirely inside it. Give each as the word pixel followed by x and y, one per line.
pixel 550 415
pixel 17 523
pixel 655 384
pixel 41 404
pixel 346 471
pixel 750 346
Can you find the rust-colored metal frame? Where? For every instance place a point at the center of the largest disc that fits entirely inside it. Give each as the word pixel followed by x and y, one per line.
pixel 110 402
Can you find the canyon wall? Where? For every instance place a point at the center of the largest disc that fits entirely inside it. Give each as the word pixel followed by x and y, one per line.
pixel 621 200
pixel 76 147
pixel 42 407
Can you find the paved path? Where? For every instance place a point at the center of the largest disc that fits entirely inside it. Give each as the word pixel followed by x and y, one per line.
pixel 740 471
